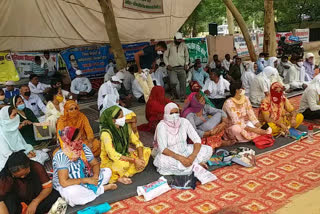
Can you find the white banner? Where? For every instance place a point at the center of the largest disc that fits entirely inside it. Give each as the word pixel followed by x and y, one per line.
pixel 241 46
pixel 303 34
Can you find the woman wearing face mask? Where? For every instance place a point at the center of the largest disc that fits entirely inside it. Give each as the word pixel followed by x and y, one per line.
pixel 27 118
pixel 116 136
pixel 277 111
pixel 173 155
pixel 11 139
pixel 242 124
pixel 54 99
pixel 25 181
pixel 74 118
pixel 260 85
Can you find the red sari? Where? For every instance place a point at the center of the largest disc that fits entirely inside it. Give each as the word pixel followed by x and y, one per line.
pixel 154 109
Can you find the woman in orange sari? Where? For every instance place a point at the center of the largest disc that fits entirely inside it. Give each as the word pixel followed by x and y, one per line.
pixel 74 118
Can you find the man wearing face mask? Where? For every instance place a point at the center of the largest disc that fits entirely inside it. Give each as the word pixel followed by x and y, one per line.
pixel 199 74
pixel 146 58
pixel 177 60
pixel 261 63
pixel 284 66
pixel 81 86
pixel 296 74
pixel 309 66
pixel 32 101
pixel 109 88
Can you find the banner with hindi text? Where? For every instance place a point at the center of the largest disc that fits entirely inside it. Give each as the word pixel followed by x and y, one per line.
pixel 147 6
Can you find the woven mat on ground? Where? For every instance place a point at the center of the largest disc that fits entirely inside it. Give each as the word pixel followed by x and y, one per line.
pixel 278 176
pixel 150 175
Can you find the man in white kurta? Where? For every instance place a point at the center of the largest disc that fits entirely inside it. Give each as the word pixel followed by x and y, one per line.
pixel 175 140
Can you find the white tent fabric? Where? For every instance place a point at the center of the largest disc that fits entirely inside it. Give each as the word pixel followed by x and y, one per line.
pixel 53 24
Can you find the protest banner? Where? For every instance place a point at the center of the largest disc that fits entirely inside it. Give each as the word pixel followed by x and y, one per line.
pixel 147 6
pixel 7 69
pixel 131 49
pixel 241 46
pixel 198 49
pixel 23 61
pixel 303 34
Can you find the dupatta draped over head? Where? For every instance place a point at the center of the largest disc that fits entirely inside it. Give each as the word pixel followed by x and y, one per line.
pixel 120 136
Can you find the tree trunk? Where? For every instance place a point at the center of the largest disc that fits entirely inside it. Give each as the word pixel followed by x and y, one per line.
pixel 269 41
pixel 243 27
pixel 112 31
pixel 230 22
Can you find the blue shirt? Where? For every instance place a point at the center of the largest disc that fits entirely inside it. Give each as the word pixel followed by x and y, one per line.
pixel 200 76
pixel 261 65
pixel 10 94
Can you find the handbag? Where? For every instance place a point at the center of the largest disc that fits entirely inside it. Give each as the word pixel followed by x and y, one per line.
pixel 264 141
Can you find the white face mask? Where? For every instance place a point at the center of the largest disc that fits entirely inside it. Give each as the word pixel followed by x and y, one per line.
pixel 116 86
pixel 173 117
pixel 121 121
pixel 300 64
pixel 243 92
pixel 159 52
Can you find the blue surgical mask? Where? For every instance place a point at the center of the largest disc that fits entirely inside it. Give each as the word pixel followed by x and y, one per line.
pixel 21 107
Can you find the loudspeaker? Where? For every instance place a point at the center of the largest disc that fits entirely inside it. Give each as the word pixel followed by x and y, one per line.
pixel 213 29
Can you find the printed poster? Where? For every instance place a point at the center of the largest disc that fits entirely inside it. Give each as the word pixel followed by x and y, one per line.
pixel 198 49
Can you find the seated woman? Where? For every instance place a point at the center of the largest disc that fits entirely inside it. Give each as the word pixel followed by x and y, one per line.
pixel 76 173
pixel 25 181
pixel 131 118
pixel 277 111
pixel 242 124
pixel 248 76
pixel 154 109
pixel 74 118
pixel 12 141
pixel 116 136
pixel 207 121
pixel 260 86
pixel 54 97
pixel 193 88
pixel 27 118
pixel 173 155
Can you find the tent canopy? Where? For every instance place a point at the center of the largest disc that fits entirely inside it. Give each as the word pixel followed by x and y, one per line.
pixel 55 24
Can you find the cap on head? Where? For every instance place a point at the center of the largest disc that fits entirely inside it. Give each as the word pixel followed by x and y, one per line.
pixel 78 72
pixel 178 35
pixel 116 79
pixel 9 83
pixel 308 55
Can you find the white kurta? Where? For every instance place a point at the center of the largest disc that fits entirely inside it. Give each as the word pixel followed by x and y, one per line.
pixel 217 90
pixel 178 144
pixel 258 88
pixel 295 77
pixel 106 88
pixel 247 79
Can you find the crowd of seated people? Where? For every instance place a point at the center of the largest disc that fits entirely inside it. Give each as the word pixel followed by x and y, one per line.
pixel 217 107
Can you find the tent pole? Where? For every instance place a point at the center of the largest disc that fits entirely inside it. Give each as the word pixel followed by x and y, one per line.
pixel 112 31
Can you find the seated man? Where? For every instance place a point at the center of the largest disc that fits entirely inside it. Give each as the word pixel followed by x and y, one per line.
pixel 226 62
pixel 296 74
pixel 309 103
pixel 137 91
pixel 36 87
pixel 76 173
pixel 116 135
pixel 206 120
pixel 159 74
pixel 32 101
pixel 109 88
pixel 235 70
pixel 3 100
pixel 173 155
pixel 50 62
pixel 213 63
pixel 216 88
pixel 56 83
pixel 199 74
pixel 10 91
pixel 81 86
pixel 277 111
pixel 283 66
pixel 110 70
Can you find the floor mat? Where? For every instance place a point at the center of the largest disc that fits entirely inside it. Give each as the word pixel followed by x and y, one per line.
pixel 278 176
pixel 150 175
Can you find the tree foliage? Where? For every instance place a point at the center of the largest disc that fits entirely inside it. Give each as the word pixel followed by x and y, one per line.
pixel 289 14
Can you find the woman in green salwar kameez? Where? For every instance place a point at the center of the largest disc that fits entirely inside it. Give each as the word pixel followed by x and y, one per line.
pixel 27 118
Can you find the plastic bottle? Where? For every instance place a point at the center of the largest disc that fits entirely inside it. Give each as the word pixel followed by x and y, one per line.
pixel 310 133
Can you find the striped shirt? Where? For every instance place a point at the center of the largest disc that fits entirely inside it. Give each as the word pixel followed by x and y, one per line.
pixel 37 69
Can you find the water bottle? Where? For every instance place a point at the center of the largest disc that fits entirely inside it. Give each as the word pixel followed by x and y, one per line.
pixel 310 133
